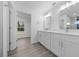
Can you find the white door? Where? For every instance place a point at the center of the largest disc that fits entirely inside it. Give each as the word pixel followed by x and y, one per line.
pixel 12 29
pixel 7 25
pixel 55 44
pixel 70 49
pixel 5 29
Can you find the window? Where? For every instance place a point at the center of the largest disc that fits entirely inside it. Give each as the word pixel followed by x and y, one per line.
pixel 20 26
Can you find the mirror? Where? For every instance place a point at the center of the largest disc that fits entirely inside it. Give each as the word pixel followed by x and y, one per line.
pixel 67 22
pixel 69 18
pixel 47 22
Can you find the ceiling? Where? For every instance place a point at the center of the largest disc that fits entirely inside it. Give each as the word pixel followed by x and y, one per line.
pixel 30 6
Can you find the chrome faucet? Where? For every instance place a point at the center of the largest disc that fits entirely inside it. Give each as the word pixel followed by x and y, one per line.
pixel 67 26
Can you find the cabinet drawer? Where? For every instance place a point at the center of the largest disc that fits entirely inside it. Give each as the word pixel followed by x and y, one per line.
pixel 71 38
pixel 57 35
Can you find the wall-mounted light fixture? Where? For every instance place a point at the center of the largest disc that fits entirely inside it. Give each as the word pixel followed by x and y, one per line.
pixel 47 15
pixel 67 23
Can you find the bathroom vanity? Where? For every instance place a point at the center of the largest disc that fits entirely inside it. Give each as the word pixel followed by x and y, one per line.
pixel 63 44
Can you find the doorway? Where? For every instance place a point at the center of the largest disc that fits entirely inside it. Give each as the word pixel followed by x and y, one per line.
pixel 23 31
pixel 20 29
pixel 23 26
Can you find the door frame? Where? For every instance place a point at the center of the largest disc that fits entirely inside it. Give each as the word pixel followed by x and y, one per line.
pixel 5 43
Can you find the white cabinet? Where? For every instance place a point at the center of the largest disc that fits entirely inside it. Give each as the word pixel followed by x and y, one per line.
pixel 65 45
pixel 41 39
pixel 55 44
pixel 69 49
pixel 62 45
pixel 45 39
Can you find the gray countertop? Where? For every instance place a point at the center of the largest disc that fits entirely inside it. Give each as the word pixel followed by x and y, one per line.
pixel 63 32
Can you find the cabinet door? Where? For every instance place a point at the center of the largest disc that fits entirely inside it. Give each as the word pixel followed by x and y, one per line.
pixel 47 40
pixel 70 49
pixel 55 44
pixel 41 37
